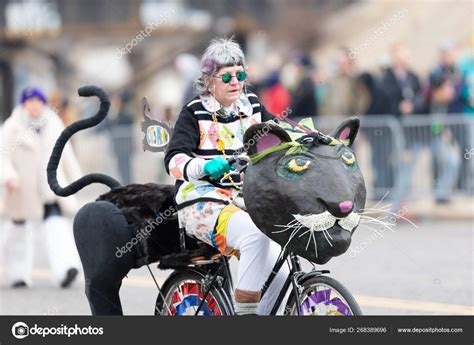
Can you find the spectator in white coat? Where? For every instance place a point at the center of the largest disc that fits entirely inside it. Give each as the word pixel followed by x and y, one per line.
pixel 32 209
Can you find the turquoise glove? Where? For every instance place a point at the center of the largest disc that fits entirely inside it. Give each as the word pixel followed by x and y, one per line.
pixel 216 167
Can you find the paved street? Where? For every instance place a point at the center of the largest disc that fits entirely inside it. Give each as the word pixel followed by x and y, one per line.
pixel 424 271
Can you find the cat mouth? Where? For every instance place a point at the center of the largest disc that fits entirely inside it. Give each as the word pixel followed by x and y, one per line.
pixel 323 221
pixel 310 224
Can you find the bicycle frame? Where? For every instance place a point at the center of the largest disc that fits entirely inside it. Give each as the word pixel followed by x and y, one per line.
pixel 294 278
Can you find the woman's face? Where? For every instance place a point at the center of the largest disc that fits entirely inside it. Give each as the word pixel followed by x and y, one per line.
pixel 226 94
pixel 34 107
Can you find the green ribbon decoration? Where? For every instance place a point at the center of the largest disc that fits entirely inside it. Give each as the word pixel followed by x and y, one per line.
pixel 293 147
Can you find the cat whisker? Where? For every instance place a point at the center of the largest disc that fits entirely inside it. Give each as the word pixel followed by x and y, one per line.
pixel 304 233
pixel 309 238
pixel 280 231
pixel 378 202
pixel 291 225
pixel 385 210
pixel 327 239
pixel 386 225
pixel 329 234
pixel 315 246
pixel 397 216
pixel 370 219
pixel 293 234
pixel 376 210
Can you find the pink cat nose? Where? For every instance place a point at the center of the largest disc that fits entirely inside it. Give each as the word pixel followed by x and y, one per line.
pixel 346 206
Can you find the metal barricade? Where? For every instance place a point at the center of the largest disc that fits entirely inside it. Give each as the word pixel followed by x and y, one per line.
pixel 413 157
pixel 448 139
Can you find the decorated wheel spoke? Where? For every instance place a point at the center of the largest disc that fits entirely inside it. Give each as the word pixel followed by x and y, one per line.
pixel 323 300
pixel 187 297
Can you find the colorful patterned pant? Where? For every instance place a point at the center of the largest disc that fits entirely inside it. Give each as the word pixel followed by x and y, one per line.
pixel 235 230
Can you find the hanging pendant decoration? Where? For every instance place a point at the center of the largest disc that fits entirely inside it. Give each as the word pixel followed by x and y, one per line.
pixel 220 145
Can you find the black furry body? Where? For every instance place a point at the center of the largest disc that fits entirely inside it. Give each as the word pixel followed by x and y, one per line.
pixel 140 205
pixel 102 227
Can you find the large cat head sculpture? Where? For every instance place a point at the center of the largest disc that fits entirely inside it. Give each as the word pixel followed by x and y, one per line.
pixel 305 195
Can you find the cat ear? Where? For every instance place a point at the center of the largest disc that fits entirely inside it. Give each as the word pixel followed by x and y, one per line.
pixel 347 130
pixel 262 136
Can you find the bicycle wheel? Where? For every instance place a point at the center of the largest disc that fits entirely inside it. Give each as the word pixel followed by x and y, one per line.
pixel 323 296
pixel 182 294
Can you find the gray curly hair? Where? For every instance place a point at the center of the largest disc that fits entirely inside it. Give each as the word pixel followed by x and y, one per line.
pixel 221 52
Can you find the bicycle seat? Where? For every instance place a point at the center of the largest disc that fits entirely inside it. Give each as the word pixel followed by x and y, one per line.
pixel 193 252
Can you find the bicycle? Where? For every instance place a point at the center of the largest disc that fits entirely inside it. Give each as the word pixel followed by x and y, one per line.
pixel 205 287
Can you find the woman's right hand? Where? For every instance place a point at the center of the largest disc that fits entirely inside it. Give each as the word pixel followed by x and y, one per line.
pixel 216 167
pixel 12 185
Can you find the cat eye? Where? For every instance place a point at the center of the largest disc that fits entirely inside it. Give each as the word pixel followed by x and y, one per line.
pixel 298 165
pixel 293 166
pixel 348 158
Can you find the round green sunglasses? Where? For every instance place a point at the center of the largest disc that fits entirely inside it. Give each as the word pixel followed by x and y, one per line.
pixel 227 77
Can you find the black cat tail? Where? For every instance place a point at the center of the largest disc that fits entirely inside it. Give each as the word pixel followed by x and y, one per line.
pixel 68 132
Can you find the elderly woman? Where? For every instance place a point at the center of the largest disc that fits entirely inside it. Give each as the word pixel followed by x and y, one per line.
pixel 209 129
